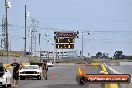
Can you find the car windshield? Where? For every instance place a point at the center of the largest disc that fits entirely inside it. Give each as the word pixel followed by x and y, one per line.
pixel 88 69
pixel 30 67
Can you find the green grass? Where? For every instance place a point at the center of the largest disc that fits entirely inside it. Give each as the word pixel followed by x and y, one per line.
pixel 34 60
pixel 4 53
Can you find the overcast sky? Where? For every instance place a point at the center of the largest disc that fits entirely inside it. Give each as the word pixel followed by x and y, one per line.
pixel 96 16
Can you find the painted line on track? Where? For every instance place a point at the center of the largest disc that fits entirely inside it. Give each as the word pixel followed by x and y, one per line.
pixel 114 71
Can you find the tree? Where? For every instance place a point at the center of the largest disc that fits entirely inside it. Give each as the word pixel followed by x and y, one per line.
pixel 118 55
pixel 105 55
pixel 99 55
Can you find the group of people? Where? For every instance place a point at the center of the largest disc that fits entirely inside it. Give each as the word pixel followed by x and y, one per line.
pixel 17 66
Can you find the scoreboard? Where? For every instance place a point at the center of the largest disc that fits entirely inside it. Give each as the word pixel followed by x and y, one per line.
pixel 65 46
pixel 65 40
pixel 65 34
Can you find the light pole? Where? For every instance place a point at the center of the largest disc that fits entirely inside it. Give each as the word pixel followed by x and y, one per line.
pixel 30 45
pixel 7 5
pixel 31 42
pixel 83 42
pixel 82 45
pixel 54 52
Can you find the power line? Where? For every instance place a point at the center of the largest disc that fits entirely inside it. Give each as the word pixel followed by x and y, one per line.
pixel 33 31
pixel 116 31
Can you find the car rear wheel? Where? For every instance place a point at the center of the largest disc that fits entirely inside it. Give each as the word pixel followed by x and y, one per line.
pixel 4 86
pixel 38 77
pixel 22 78
pixel 8 85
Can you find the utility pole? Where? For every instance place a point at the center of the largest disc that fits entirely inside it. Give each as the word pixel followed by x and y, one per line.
pixel 40 45
pixel 33 31
pixel 35 45
pixel 29 52
pixel 83 42
pixel 25 32
pixel 10 44
pixel 3 40
pixel 7 5
pixel 6 29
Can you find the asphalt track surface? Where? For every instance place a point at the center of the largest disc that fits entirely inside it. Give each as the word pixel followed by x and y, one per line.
pixel 122 69
pixel 59 77
pixel 65 76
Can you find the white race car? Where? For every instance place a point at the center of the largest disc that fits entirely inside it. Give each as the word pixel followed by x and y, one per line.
pixel 50 64
pixel 5 77
pixel 30 71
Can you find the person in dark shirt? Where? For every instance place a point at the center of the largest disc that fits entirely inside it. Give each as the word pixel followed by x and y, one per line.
pixel 16 67
pixel 44 69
